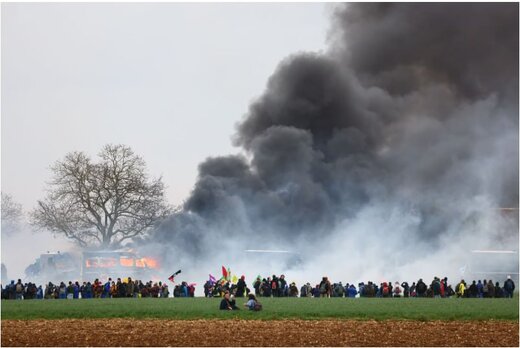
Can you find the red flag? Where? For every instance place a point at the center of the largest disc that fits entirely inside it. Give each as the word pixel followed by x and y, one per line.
pixel 224 272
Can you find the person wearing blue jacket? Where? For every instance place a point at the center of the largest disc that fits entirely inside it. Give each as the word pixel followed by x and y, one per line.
pixel 75 291
pixel 352 292
pixel 106 289
pixel 480 289
pixel 39 293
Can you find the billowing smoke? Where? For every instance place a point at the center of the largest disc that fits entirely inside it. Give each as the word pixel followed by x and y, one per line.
pixel 387 156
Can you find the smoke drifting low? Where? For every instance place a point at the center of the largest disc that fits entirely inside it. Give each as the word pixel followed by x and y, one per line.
pixel 386 157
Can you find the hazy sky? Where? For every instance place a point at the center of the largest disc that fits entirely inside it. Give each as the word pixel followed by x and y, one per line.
pixel 169 80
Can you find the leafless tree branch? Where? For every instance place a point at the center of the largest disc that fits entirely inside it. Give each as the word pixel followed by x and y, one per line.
pixel 102 203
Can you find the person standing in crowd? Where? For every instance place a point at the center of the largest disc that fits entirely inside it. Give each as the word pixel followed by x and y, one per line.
pixel 39 293
pixel 98 289
pixel 461 288
pixel 19 289
pixel 48 291
pixel 70 291
pixel 421 288
pixel 166 291
pixel 509 287
pixel 480 289
pixel 338 290
pixel 266 288
pixel 136 289
pixel 113 290
pixel 11 290
pixel 75 290
pixel 107 288
pixel 88 290
pixel 491 289
pixel 325 287
pixel 282 286
pixel 499 292
pixel 274 286
pixel 256 285
pixel 303 291
pixel 473 291
pixel 130 287
pixel 241 286
pixel 485 289
pixel 436 288
pixel 306 290
pixel 62 291
pixel 316 291
pixel 385 290
pixel 293 290
pixel 207 288
pixel 83 290
pixel 397 290
pixel 352 292
pixel 121 288
pixel 406 289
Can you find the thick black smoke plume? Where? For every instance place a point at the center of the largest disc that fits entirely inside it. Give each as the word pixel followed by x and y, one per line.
pixel 405 132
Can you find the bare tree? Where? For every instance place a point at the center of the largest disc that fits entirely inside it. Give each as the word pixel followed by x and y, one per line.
pixel 11 213
pixel 103 203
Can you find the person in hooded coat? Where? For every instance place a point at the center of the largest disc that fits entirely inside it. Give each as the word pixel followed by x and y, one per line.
pixel 421 288
pixel 241 286
pixel 352 292
pixel 473 291
pixel 509 287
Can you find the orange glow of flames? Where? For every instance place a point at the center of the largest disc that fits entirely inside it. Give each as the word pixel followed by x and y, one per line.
pixel 100 263
pixel 145 262
pixel 126 262
pixel 151 262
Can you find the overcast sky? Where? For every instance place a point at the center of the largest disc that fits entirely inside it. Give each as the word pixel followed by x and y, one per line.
pixel 169 80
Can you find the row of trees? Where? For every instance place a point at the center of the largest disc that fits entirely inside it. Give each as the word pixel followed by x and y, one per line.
pixel 97 203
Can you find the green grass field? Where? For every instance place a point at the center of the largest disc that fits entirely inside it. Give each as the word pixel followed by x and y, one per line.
pixel 274 308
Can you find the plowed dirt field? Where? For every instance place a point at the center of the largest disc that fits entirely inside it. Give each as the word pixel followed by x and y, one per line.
pixel 154 332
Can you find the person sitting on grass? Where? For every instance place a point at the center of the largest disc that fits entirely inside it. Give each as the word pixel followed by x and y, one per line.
pixel 227 303
pixel 253 304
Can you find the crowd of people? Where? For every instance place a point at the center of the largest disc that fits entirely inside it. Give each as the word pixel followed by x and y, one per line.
pixel 439 288
pixel 110 289
pixel 261 287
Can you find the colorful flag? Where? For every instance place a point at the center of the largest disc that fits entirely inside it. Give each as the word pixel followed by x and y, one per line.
pixel 234 279
pixel 212 280
pixel 172 277
pixel 224 272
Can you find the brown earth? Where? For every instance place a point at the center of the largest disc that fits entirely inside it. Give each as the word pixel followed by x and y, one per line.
pixel 158 332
